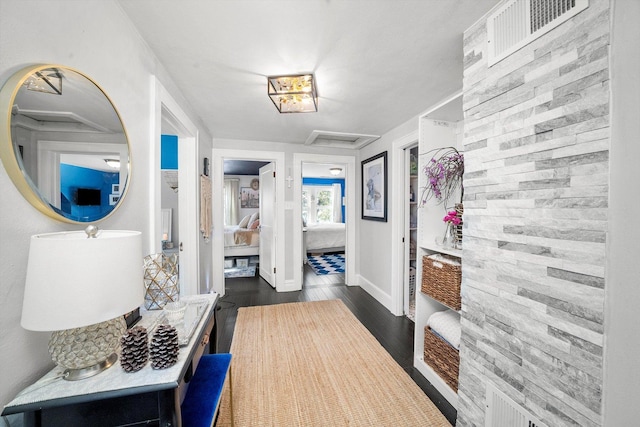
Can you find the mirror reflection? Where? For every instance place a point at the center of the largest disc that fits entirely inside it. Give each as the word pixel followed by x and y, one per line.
pixel 68 142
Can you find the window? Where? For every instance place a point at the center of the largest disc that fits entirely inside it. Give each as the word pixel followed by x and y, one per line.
pixel 317 203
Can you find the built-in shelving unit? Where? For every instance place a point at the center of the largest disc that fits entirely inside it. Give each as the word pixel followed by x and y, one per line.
pixel 433 133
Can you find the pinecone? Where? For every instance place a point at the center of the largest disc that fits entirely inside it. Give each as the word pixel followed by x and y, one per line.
pixel 135 349
pixel 164 347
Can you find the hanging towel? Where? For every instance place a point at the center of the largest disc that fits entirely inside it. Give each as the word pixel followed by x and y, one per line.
pixel 205 206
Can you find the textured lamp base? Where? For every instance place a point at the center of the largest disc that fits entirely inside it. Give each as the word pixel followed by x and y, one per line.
pixel 89 371
pixel 87 351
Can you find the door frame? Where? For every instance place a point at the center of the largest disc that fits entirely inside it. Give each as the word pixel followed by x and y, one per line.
pixel 217 237
pixel 350 213
pixel 398 212
pixel 167 115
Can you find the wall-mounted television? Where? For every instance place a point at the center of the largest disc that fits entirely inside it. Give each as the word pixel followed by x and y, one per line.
pixel 88 197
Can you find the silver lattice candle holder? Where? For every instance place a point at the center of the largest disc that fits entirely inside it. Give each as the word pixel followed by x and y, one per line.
pixel 160 280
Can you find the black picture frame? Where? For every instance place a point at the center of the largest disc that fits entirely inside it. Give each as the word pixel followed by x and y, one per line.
pixel 374 188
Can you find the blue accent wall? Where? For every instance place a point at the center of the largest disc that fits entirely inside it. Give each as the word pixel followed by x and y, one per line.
pixel 327 181
pixel 74 177
pixel 168 152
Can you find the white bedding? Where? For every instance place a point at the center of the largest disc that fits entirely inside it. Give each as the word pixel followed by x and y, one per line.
pixel 325 236
pixel 236 236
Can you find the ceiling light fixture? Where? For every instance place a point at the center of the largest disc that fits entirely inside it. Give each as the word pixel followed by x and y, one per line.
pixel 47 81
pixel 293 94
pixel 335 171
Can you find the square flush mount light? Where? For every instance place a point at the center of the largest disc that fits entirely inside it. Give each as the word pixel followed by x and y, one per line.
pixel 293 94
pixel 47 81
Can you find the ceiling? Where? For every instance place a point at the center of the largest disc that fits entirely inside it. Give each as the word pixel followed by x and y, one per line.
pixel 242 167
pixel 377 63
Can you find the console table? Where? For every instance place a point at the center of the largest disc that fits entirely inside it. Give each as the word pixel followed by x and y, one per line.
pixel 115 398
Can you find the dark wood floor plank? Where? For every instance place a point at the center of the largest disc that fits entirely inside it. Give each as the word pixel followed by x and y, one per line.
pixel 395 333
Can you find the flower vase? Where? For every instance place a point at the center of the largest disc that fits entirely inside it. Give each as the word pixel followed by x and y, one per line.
pixel 449 238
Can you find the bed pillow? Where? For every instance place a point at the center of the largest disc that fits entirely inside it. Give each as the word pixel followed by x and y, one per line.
pixel 244 222
pixel 254 225
pixel 253 218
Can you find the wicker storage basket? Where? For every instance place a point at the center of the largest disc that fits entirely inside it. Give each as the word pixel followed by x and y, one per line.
pixel 443 359
pixel 441 279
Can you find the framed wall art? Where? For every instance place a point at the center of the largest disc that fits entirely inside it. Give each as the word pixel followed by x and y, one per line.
pixel 374 188
pixel 249 198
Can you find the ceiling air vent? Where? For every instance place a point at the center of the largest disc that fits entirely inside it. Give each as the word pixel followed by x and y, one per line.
pixel 518 22
pixel 339 139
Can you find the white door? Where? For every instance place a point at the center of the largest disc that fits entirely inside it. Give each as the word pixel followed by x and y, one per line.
pixel 267 221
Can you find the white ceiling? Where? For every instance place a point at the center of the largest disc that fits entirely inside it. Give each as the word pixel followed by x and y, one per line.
pixel 377 62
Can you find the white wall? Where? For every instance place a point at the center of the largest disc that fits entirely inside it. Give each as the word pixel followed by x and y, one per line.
pixel 95 37
pixel 374 239
pixel 622 299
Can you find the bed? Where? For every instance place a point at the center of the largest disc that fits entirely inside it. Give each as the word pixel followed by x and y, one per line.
pixel 325 237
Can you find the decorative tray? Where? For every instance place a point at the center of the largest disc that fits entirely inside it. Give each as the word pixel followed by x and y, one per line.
pixel 186 326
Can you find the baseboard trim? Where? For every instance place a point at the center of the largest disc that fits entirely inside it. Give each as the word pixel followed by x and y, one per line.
pixel 289 286
pixel 382 297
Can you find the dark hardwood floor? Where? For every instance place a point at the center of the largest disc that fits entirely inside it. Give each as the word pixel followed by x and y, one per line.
pixel 395 334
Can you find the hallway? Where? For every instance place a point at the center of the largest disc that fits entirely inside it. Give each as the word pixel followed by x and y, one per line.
pixel 395 334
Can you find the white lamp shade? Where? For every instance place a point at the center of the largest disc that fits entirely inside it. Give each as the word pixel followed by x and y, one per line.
pixel 75 281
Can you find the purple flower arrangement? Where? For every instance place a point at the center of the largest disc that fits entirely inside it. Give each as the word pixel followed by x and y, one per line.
pixel 444 175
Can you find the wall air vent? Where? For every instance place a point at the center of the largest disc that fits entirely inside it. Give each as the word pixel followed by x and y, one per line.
pixel 504 412
pixel 518 22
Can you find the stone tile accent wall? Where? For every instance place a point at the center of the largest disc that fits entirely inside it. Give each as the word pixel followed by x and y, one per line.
pixel 536 140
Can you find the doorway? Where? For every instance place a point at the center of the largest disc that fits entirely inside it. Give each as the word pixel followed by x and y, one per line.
pixel 243 218
pixel 170 119
pixel 218 236
pixel 402 230
pixel 411 231
pixel 169 201
pixel 348 163
pixel 323 224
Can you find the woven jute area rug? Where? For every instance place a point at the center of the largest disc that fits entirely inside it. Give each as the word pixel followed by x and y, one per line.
pixel 315 364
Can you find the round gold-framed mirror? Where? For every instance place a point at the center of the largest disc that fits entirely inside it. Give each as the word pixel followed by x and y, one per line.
pixel 63 144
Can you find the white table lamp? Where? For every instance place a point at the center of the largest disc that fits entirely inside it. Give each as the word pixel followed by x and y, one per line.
pixel 80 284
